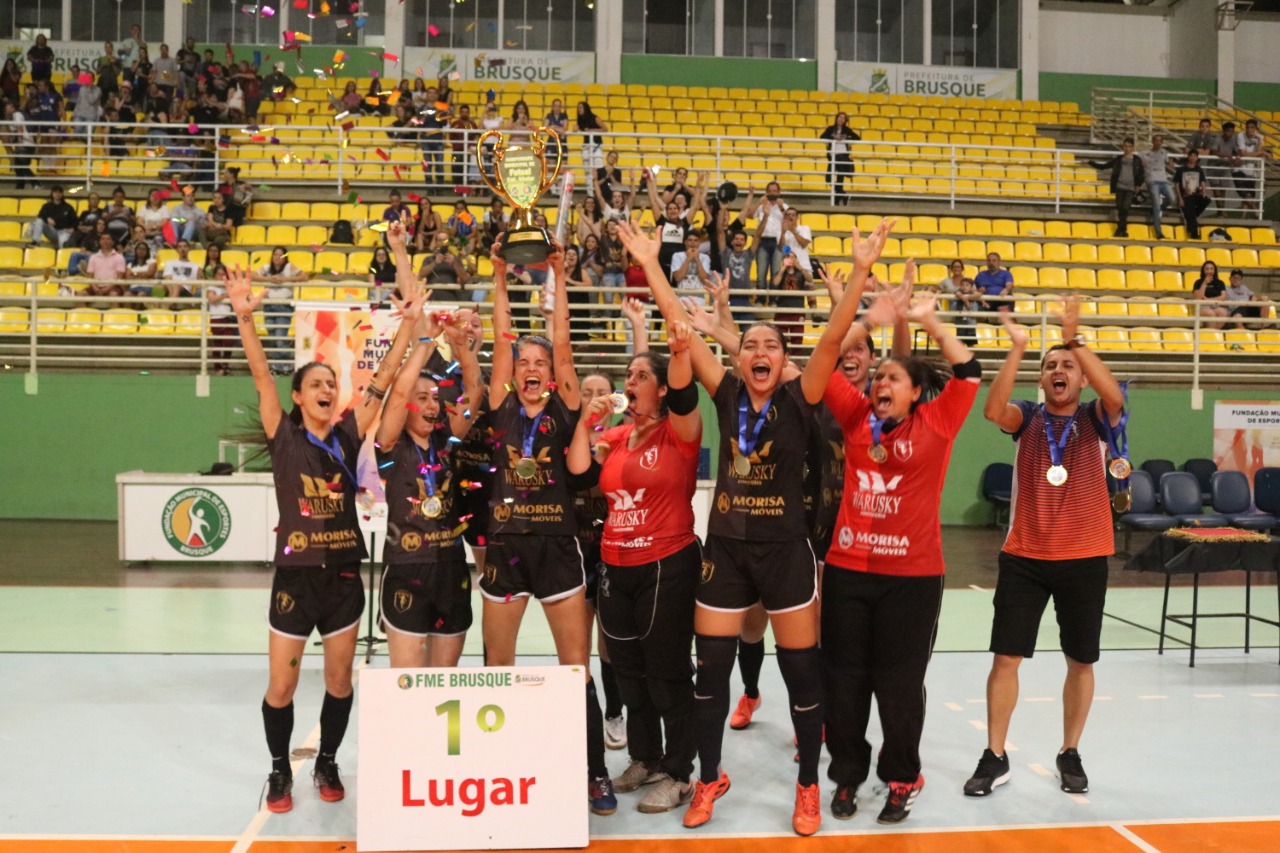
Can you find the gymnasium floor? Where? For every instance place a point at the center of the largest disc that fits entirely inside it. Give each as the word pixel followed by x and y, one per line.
pixel 131 723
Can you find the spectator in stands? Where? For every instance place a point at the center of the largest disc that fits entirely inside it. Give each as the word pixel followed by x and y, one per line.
pixel 1192 189
pixel 1250 153
pixel 951 284
pixel 119 215
pixel 1210 287
pixel 277 84
pixel 769 211
pixel 374 102
pixel 142 69
pixel 87 220
pixel 382 274
pixel 672 228
pixel 609 176
pixel 434 121
pixel 136 236
pixel 796 238
pixel 612 255
pixel 188 63
pixel 491 120
pixel 127 49
pixel 463 135
pixel 222 321
pixel 736 255
pixel 397 211
pixel 791 281
pixel 964 303
pixel 249 83
pixel 519 126
pixel 20 143
pixel 108 67
pixel 557 122
pixel 11 82
pixel 618 205
pixel 462 228
pixel 430 226
pixel 590 125
pixel 153 217
pixel 1202 140
pixel 188 217
pixel 443 272
pixel 212 260
pixel 1127 174
pixel 219 226
pixel 1156 166
pixel 492 224
pixel 88 105
pixel 142 269
pixel 588 218
pixel 418 94
pixel 87 244
pixel 281 276
pixel 40 60
pixel 678 187
pixel 180 274
pixel 995 284
pixel 238 194
pixel 690 269
pixel 839 136
pixel 165 72
pixel 350 100
pixel 107 269
pixel 56 221
pixel 44 111
pixel 577 292
pixel 1243 304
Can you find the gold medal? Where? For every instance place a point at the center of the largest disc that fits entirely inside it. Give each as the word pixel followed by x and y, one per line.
pixel 526 468
pixel 1120 468
pixel 1056 475
pixel 877 453
pixel 619 402
pixel 432 507
pixel 741 466
pixel 1122 501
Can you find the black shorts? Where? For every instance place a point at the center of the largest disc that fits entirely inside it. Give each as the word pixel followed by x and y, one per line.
pixel 821 542
pixel 646 613
pixel 428 599
pixel 306 599
pixel 547 567
pixel 591 565
pixel 474 507
pixel 1024 587
pixel 736 574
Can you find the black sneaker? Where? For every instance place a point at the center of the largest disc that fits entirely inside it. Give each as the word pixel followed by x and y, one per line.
pixel 279 792
pixel 992 772
pixel 328 782
pixel 1071 772
pixel 902 796
pixel 845 802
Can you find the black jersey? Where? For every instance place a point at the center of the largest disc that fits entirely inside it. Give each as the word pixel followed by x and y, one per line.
pixel 316 496
pixel 422 526
pixel 825 484
pixel 542 502
pixel 590 507
pixel 767 503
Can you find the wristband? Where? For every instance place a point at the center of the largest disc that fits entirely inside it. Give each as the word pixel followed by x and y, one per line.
pixel 868 325
pixel 1076 342
pixel 971 369
pixel 682 401
pixel 375 391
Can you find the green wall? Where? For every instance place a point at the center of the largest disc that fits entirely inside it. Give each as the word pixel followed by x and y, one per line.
pixel 1077 87
pixel 360 61
pixel 1257 96
pixel 62 448
pixel 719 71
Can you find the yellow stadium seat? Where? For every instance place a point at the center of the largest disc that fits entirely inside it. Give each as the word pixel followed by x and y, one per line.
pixel 1268 340
pixel 1143 306
pixel 324 212
pixel 1212 340
pixel 1109 279
pixel 827 246
pixel 119 321
pixel 1004 228
pixel 1109 253
pixel 1169 280
pixel 10 232
pixel 1246 258
pixel 1024 276
pixel 29 208
pixel 1030 228
pixel 1113 308
pixel 1084 230
pixel 1024 308
pixel 1139 280
pixel 1028 251
pixel 251 235
pixel 1137 255
pixel 972 250
pixel 233 257
pixel 1221 257
pixel 951 225
pixel 978 227
pixel 268 210
pixel 304 261
pixel 1084 253
pixel 1191 256
pixel 313 236
pixel 1082 279
pixel 1057 253
pixel 84 321
pixel 1145 339
pixel 1262 236
pixel 1266 258
pixel 1111 338
pixel 928 274
pixel 1173 306
pixel 12 288
pixel 332 262
pixel 1178 340
pixel 155 321
pixel 1161 256
pixel 291 210
pixel 39 258
pixel 50 320
pixel 924 225
pixel 1055 277
pixel 282 235
pixel 14 321
pixel 8 206
pixel 1057 228
pixel 915 247
pixel 1242 338
pixel 944 249
pixel 315 293
pixel 188 322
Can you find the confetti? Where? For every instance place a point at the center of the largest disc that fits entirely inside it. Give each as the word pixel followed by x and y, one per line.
pixel 390 57
pixel 433 30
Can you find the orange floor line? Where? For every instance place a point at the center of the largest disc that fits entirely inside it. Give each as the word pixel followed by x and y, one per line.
pixel 1244 837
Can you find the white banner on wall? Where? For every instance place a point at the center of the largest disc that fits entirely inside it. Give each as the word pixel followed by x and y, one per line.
pixel 1246 435
pixel 65 53
pixel 499 66
pixel 944 80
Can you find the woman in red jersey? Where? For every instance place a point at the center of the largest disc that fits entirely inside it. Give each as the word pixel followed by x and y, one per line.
pixel 882 587
pixel 651 561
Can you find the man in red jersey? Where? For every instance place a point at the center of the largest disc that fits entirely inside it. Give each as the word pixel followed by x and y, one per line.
pixel 1059 538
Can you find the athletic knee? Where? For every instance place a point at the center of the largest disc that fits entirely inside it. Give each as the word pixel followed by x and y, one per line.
pixel 280 694
pixel 1077 668
pixel 1005 664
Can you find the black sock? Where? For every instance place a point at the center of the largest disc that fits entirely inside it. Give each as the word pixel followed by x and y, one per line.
pixel 750 660
pixel 278 723
pixel 595 734
pixel 801 670
pixel 334 714
pixel 612 696
pixel 711 700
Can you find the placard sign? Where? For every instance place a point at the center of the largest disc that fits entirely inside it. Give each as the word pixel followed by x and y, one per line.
pixel 472 759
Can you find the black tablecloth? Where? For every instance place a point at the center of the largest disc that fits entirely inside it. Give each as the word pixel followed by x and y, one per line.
pixel 1174 555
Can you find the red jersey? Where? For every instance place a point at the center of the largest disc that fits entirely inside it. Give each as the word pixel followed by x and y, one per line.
pixel 637 283
pixel 888 522
pixel 650 493
pixel 1067 522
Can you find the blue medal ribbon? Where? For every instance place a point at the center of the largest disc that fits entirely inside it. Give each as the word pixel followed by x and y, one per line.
pixel 745 446
pixel 877 427
pixel 427 468
pixel 334 449
pixel 528 433
pixel 1056 445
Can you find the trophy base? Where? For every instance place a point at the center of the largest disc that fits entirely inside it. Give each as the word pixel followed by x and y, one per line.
pixel 526 246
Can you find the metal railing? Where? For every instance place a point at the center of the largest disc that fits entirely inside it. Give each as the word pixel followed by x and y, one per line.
pixel 348 160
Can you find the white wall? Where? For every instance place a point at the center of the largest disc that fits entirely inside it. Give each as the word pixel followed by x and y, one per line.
pixel 1193 40
pixel 1098 39
pixel 1257 59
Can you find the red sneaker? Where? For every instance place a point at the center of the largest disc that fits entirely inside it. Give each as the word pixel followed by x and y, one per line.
pixel 279 792
pixel 741 717
pixel 902 796
pixel 807 817
pixel 704 800
pixel 327 780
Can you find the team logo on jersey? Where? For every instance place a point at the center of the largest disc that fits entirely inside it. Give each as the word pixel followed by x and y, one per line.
pixel 297 541
pixel 284 602
pixel 490 573
pixel 827 497
pixel 195 522
pixel 649 459
pixel 624 500
pixel 874 482
pixel 708 569
pixel 771 415
pixel 722 502
pixel 321 498
pixel 501 513
pixel 902 449
pixel 548 426
pixel 402 600
pixel 410 541
pixel 846 538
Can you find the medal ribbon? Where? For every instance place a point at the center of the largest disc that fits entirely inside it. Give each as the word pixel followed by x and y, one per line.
pixel 334 449
pixel 1056 446
pixel 1117 438
pixel 427 468
pixel 745 446
pixel 877 427
pixel 528 433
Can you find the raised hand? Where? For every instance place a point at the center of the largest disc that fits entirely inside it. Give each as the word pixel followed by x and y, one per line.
pixel 1017 334
pixel 1070 317
pixel 408 306
pixel 641 247
pixel 901 294
pixel 455 334
pixel 867 251
pixel 633 310
pixel 834 281
pixel 678 337
pixel 600 408
pixel 700 318
pixel 717 288
pixel 396 237
pixel 923 310
pixel 884 310
pixel 240 291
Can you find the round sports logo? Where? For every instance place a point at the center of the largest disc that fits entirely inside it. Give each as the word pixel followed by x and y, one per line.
pixel 196 522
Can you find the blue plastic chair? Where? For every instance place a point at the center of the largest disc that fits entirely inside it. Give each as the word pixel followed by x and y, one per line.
pixel 1142 514
pixel 1180 497
pixel 997 487
pixel 1231 498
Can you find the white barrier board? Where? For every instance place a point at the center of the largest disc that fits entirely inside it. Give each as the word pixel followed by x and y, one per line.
pixel 472 759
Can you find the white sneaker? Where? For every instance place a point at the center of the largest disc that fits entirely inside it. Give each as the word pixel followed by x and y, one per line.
pixel 666 795
pixel 615 732
pixel 636 775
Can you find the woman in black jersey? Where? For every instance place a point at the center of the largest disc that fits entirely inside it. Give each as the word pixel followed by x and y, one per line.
pixel 426 588
pixel 758 542
pixel 671 227
pixel 534 401
pixel 319 547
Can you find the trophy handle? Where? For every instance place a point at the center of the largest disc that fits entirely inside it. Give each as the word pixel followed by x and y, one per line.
pixel 497 158
pixel 539 139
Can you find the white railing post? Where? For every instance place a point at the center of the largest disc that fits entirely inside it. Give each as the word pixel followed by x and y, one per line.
pixel 953 176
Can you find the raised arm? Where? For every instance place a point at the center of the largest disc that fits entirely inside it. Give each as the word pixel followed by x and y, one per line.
pixel 706 366
pixel 998 409
pixel 717 287
pixel 409 306
pixel 633 310
pixel 1110 395
pixel 655 203
pixel 680 375
pixel 822 362
pixel 503 360
pixel 460 414
pixel 244 302
pixel 706 322
pixel 578 459
pixel 561 346
pixel 395 413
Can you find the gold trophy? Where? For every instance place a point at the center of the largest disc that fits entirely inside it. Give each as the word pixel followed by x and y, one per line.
pixel 521 177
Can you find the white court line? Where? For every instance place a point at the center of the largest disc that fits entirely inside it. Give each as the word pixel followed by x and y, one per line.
pixel 1102 698
pixel 1130 836
pixel 979 725
pixel 1041 769
pixel 1264 695
pixel 1081 799
pixel 954 706
pixel 251 832
pixel 975 586
pixel 1207 695
pixel 976 701
pixel 1008 747
pixel 1039 699
pixel 1153 696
